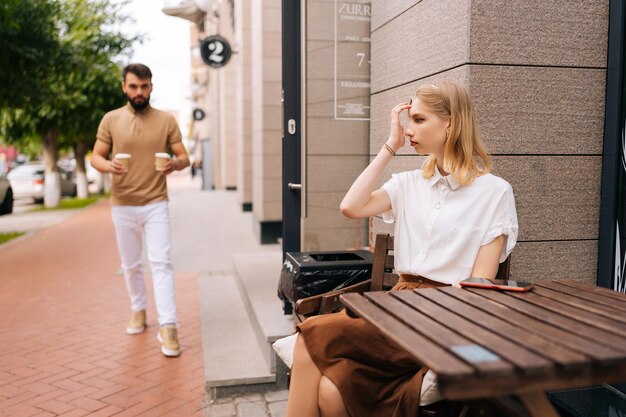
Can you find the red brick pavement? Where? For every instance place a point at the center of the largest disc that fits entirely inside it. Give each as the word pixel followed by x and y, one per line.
pixel 63 314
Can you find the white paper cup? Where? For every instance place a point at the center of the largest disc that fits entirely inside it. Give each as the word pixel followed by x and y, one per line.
pixel 124 159
pixel 159 160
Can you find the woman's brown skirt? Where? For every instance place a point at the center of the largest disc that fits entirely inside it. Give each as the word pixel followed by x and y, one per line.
pixel 374 375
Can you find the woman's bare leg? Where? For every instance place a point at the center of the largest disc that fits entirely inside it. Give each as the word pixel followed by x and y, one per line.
pixel 304 386
pixel 329 400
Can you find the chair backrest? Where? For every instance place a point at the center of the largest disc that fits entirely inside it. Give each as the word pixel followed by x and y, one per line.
pixel 382 264
pixel 383 274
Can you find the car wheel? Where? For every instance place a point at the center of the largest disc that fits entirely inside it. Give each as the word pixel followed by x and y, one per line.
pixel 7 204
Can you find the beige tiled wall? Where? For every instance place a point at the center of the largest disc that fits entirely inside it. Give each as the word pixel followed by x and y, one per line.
pixel 266 109
pixel 540 110
pixel 564 33
pixel 427 38
pixel 214 123
pixel 227 79
pixel 228 122
pixel 244 99
pixel 536 71
pixel 219 123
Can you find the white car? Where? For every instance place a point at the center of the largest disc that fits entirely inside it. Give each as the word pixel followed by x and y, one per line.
pixel 27 181
pixel 6 196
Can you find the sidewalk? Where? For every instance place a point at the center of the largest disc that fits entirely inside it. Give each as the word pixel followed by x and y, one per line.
pixel 64 308
pixel 32 221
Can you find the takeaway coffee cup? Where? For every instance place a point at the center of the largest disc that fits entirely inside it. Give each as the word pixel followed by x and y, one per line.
pixel 124 159
pixel 159 160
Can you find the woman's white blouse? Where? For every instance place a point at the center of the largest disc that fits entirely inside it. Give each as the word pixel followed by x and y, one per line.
pixel 440 226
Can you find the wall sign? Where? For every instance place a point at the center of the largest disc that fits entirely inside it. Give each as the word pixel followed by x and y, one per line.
pixel 215 51
pixel 352 60
pixel 198 114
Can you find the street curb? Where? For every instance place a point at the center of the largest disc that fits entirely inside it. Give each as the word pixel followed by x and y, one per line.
pixel 18 239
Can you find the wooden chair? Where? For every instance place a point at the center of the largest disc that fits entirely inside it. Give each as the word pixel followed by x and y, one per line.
pixel 382 277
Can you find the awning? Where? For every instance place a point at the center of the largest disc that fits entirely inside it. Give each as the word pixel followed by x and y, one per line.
pixel 193 10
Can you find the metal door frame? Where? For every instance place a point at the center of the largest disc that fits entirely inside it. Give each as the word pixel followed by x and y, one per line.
pixel 293 190
pixel 612 187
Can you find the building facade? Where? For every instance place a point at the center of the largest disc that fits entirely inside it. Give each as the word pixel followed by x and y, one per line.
pixel 537 71
pixel 239 137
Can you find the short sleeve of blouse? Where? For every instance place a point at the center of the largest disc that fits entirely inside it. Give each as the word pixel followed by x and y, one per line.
pixel 391 187
pixel 504 223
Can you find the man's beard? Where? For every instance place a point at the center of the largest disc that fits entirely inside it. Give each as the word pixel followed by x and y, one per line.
pixel 139 106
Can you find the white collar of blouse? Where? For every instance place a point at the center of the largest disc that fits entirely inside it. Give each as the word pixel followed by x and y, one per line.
pixel 451 182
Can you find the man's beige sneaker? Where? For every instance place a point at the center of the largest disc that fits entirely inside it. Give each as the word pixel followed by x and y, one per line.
pixel 168 336
pixel 137 323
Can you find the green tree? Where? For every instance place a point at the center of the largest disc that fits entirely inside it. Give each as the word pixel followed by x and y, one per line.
pixel 95 42
pixel 67 101
pixel 28 38
pixel 102 86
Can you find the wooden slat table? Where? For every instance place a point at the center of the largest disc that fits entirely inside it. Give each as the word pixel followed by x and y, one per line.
pixel 486 343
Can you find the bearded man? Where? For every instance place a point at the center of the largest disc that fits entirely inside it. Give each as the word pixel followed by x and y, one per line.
pixel 126 143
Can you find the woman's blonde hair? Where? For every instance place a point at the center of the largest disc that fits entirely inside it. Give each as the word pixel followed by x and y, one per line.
pixel 464 155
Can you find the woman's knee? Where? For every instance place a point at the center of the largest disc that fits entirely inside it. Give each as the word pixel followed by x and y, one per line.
pixel 329 399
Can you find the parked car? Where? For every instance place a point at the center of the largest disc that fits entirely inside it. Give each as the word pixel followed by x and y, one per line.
pixel 27 181
pixel 6 196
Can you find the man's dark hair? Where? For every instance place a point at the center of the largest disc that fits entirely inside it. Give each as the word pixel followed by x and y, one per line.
pixel 140 70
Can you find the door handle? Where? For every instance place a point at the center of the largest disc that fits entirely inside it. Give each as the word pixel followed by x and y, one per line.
pixel 293 186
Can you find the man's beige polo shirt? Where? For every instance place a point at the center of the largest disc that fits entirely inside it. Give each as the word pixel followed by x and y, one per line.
pixel 141 134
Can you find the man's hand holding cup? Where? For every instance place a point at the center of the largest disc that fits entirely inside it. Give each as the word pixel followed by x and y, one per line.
pixel 120 164
pixel 163 162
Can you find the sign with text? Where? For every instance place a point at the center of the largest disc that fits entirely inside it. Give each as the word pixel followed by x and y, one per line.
pixel 352 60
pixel 215 51
pixel 198 114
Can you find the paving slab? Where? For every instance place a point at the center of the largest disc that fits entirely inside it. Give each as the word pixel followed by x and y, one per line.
pixel 232 355
pixel 259 274
pixel 257 277
pixel 278 408
pixel 253 409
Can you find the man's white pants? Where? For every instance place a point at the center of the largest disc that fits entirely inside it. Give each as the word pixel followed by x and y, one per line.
pixel 154 219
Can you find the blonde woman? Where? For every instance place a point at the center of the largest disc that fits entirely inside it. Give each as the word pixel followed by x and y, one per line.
pixel 453 219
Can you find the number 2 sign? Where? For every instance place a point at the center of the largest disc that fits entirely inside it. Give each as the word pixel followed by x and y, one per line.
pixel 215 51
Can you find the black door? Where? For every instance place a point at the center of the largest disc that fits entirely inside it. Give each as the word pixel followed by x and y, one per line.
pixel 292 150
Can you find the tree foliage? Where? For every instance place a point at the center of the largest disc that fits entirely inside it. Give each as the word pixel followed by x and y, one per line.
pixel 28 37
pixel 81 80
pixel 61 72
pixel 96 76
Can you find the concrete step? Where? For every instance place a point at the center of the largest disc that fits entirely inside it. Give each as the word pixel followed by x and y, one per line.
pixel 257 277
pixel 233 360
